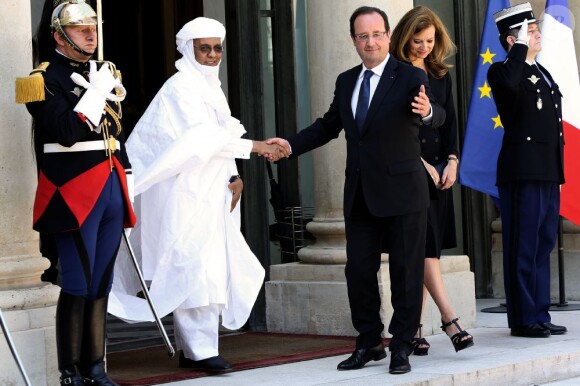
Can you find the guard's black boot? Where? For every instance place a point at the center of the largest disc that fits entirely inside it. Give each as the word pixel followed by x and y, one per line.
pixel 93 359
pixel 69 335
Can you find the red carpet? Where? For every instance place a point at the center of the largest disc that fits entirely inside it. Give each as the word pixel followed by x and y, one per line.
pixel 244 351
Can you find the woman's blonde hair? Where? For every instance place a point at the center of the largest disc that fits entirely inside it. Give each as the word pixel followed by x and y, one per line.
pixel 415 21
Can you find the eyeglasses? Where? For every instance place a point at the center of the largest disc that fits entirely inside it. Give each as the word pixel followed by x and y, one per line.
pixel 366 37
pixel 206 48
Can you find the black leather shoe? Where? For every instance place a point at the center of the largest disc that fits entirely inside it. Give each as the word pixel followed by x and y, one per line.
pixel 554 328
pixel 215 364
pixel 399 363
pixel 531 331
pixel 360 357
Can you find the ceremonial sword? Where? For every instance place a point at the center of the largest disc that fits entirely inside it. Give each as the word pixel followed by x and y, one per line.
pixel 13 349
pixel 170 349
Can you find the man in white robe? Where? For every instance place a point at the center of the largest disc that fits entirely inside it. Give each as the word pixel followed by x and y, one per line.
pixel 183 152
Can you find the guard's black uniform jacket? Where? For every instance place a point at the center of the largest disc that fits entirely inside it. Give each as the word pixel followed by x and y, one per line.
pixel 69 183
pixel 531 114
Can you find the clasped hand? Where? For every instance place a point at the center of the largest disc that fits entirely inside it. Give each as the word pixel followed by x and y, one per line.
pixel 271 149
pixel 447 179
pixel 283 144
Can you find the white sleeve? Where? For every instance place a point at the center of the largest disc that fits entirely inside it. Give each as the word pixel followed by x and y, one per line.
pixel 237 148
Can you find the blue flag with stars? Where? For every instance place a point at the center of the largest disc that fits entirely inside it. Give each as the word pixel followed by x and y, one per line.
pixel 484 131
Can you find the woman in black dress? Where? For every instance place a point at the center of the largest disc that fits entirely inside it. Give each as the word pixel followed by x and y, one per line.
pixel 421 39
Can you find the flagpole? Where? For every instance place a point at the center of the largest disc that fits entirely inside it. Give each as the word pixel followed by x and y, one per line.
pixel 562 305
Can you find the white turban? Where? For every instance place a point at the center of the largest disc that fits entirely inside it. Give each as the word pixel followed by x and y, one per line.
pixel 200 27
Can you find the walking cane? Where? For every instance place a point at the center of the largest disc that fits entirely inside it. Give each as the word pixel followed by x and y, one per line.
pixel 170 349
pixel 13 349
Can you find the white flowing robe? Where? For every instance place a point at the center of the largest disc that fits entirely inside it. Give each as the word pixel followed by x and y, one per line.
pixel 183 153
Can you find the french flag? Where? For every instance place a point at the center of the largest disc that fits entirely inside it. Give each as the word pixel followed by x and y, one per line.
pixel 558 55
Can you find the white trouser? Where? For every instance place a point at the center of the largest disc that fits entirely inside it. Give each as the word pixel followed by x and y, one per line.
pixel 197 331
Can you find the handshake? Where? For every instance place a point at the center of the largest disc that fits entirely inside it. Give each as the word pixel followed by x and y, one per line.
pixel 273 149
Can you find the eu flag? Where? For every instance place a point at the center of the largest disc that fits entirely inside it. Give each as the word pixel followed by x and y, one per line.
pixel 484 131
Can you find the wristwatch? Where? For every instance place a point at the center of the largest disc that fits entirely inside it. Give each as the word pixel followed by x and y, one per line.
pixel 233 178
pixel 453 158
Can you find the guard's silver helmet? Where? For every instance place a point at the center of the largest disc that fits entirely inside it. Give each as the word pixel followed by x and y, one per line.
pixel 72 13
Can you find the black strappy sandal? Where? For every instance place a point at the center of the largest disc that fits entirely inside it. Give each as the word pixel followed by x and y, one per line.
pixel 458 340
pixel 420 341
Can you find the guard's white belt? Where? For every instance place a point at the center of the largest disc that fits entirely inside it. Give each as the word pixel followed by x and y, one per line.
pixel 79 146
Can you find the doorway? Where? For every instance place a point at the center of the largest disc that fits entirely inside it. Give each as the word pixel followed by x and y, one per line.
pixel 139 37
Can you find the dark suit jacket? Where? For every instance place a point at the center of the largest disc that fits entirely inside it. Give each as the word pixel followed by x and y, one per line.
pixel 533 141
pixel 385 160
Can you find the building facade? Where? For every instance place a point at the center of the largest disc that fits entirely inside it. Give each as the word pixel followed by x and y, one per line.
pixel 280 63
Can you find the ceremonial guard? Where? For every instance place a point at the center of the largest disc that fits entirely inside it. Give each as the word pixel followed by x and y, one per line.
pixel 83 194
pixel 529 171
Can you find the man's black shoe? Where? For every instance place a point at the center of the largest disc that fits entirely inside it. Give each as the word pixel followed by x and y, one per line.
pixel 399 363
pixel 531 331
pixel 554 328
pixel 215 364
pixel 360 357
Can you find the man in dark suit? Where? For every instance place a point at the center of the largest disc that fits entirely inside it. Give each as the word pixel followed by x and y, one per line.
pixel 380 105
pixel 529 171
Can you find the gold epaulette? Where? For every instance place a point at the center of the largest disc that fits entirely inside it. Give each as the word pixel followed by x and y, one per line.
pixel 31 88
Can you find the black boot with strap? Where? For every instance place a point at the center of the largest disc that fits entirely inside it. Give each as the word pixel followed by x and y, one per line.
pixel 69 336
pixel 93 359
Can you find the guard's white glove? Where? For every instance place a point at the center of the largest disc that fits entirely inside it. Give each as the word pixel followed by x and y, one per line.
pixel 523 33
pixel 92 104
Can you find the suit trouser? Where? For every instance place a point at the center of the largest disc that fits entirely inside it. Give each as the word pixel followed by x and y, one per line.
pixel 197 331
pixel 405 237
pixel 530 213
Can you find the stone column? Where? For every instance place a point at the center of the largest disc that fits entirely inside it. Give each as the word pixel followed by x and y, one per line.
pixel 26 302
